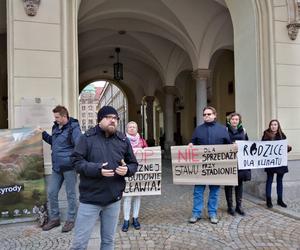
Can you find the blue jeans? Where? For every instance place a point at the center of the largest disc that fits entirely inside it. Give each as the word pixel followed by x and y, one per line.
pixel 212 203
pixel 279 186
pixel 56 181
pixel 86 218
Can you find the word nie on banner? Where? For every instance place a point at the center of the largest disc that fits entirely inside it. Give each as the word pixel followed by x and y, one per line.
pixel 147 179
pixel 262 154
pixel 205 164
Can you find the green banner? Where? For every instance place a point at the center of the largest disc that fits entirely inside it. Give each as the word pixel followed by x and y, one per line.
pixel 22 183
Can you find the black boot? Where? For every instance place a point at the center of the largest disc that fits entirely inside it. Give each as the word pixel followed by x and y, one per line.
pixel 281 203
pixel 240 210
pixel 238 198
pixel 136 224
pixel 269 202
pixel 228 195
pixel 125 226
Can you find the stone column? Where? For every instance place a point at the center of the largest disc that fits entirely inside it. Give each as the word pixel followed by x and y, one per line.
pixel 170 92
pixel 149 112
pixel 201 76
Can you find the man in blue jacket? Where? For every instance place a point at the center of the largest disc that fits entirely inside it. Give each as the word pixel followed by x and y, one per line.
pixel 102 157
pixel 65 134
pixel 208 133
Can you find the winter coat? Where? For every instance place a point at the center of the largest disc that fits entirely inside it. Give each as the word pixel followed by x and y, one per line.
pixel 210 133
pixel 267 136
pixel 62 143
pixel 141 142
pixel 235 135
pixel 94 149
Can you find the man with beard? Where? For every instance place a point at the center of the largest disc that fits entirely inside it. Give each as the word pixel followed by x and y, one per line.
pixel 102 157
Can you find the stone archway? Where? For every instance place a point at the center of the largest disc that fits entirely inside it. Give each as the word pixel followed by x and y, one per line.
pixel 254 88
pixel 98 93
pixel 249 59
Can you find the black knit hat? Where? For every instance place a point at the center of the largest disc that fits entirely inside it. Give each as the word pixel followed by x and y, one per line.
pixel 106 110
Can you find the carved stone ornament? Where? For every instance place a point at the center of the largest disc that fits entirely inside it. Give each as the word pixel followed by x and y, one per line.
pixel 293 18
pixel 293 29
pixel 31 6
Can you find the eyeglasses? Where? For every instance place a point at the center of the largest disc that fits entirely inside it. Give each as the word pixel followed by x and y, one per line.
pixel 112 117
pixel 207 114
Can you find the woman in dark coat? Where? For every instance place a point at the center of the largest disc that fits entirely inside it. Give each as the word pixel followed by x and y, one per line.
pixel 237 132
pixel 274 132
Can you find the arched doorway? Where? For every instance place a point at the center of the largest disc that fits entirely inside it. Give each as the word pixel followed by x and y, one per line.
pixel 96 95
pixel 156 48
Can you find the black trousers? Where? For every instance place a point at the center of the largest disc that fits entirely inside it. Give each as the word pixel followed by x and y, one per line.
pixel 238 194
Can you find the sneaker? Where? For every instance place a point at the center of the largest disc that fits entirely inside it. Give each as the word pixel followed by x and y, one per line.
pixel 51 224
pixel 136 224
pixel 125 226
pixel 68 226
pixel 214 220
pixel 194 219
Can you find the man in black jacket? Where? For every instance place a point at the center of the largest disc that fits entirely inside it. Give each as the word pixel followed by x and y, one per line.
pixel 208 133
pixel 102 157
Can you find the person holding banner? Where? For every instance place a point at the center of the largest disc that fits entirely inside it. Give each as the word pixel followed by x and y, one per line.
pixel 65 135
pixel 208 133
pixel 103 157
pixel 136 141
pixel 274 132
pixel 236 132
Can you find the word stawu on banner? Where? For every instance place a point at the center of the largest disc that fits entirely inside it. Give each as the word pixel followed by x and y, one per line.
pixel 147 179
pixel 205 164
pixel 262 154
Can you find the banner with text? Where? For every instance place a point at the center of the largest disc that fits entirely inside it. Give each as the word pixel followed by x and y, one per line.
pixel 22 183
pixel 261 154
pixel 205 164
pixel 147 179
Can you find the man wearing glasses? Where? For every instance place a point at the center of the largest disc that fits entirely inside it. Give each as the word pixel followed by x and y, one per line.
pixel 208 133
pixel 102 157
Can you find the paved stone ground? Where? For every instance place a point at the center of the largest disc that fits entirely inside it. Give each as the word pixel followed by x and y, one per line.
pixel 164 226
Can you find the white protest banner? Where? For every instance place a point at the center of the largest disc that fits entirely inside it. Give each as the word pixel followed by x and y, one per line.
pixel 261 154
pixel 147 179
pixel 207 165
